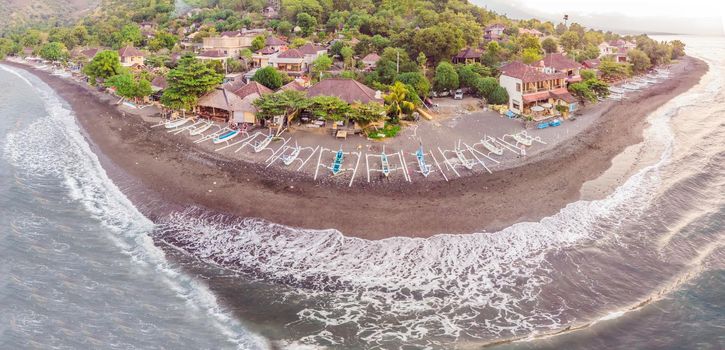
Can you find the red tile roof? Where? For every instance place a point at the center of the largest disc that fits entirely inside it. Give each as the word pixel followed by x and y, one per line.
pixel 293 53
pixel 293 85
pixel 266 51
pixel 468 53
pixel 559 62
pixel 563 94
pixel 528 74
pixel 310 49
pixel 371 58
pixel 348 90
pixel 251 88
pixel 90 53
pixel 129 51
pixel 274 41
pixel 159 82
pixel 593 63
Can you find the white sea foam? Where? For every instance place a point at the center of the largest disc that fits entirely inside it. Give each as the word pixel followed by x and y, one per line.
pixel 54 146
pixel 481 285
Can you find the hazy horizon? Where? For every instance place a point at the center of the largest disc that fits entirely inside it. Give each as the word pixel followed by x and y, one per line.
pixel 699 17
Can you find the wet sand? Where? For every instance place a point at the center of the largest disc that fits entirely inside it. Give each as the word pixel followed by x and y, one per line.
pixel 161 173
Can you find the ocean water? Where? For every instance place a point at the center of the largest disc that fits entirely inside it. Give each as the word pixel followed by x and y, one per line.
pixel 642 268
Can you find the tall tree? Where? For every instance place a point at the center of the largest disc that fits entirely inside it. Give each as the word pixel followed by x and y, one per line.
pixel 446 77
pixel 103 66
pixel 398 102
pixel 190 80
pixel 639 60
pixel 549 45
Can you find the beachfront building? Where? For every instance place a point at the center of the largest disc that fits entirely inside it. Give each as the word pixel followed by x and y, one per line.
pixel 231 43
pixel 616 49
pixel 291 62
pixel 467 56
pixel 528 86
pixel 348 90
pixel 559 63
pixel 370 61
pixel 236 106
pixel 131 56
pixel 494 32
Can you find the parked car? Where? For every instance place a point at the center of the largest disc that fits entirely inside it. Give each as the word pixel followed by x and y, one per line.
pixel 458 95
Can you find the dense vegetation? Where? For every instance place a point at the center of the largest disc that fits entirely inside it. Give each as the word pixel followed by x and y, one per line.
pixel 414 38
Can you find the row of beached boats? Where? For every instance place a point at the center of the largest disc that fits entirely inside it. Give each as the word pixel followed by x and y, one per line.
pixel 462 155
pixel 638 83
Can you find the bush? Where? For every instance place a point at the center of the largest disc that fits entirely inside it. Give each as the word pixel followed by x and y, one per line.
pixel 498 96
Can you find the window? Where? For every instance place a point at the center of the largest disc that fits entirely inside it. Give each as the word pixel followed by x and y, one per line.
pixel 518 87
pixel 516 105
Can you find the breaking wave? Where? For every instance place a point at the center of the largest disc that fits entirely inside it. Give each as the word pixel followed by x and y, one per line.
pixel 54 146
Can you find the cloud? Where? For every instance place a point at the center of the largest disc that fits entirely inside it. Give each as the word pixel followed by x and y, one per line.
pixel 618 22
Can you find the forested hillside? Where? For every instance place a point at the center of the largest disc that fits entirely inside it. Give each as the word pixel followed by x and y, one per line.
pixel 19 13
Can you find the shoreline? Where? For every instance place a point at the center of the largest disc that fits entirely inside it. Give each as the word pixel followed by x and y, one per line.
pixel 161 173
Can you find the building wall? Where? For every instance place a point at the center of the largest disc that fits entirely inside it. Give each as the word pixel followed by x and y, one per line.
pixel 231 46
pixel 515 97
pixel 130 61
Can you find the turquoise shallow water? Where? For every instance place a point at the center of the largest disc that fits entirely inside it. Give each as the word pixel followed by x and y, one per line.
pixel 643 268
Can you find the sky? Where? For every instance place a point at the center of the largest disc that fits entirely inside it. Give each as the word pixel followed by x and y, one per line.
pixel 705 17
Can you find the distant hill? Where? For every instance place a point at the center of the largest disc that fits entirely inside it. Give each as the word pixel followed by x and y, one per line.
pixel 48 12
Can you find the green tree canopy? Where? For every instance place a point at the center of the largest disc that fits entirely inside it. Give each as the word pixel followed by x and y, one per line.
pixel 190 80
pixel 398 102
pixel 258 43
pixel 269 77
pixel 307 23
pixel 320 65
pixel 498 96
pixel 613 70
pixel 569 41
pixel 103 66
pixel 163 40
pixel 446 77
pixel 582 92
pixel 54 51
pixel 417 80
pixel 531 55
pixel 639 60
pixel 549 45
pixel 129 87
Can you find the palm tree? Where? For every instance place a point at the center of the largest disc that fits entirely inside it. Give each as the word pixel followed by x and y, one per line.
pixel 397 101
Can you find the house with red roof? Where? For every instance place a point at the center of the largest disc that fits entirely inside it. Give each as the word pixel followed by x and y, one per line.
pixel 529 86
pixel 559 63
pixel 131 56
pixel 297 61
pixel 617 49
pixel 592 64
pixel 232 103
pixel 370 61
pixel 348 90
pixel 291 62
